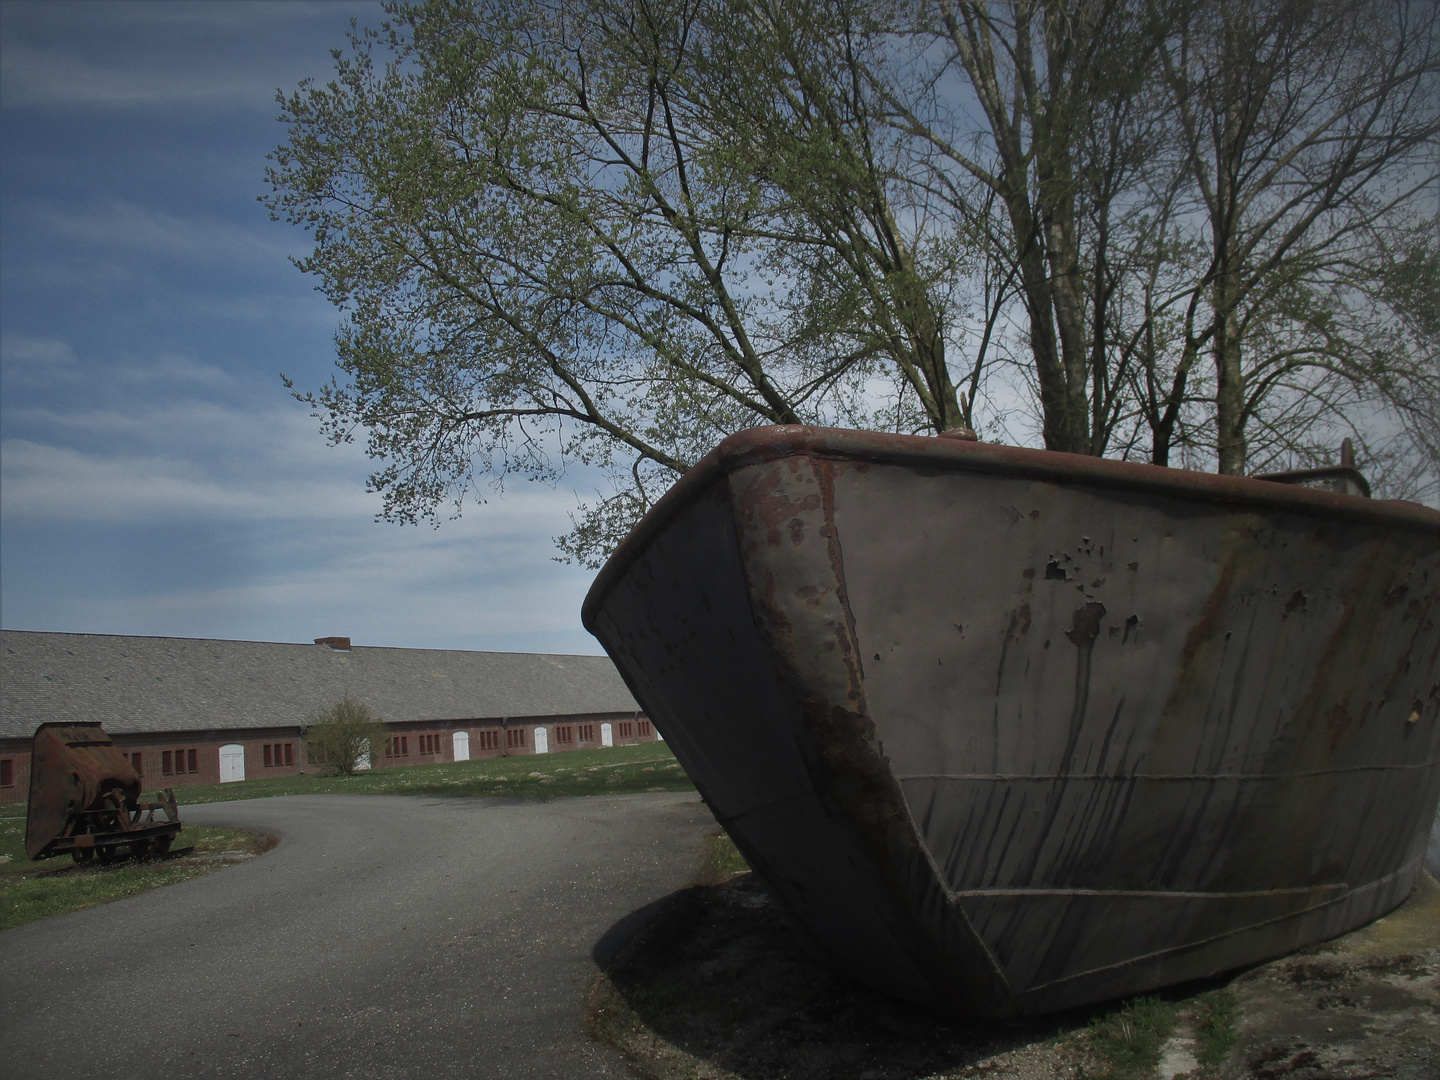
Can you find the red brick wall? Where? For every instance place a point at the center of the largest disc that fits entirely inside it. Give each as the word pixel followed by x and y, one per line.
pixel 440 747
pixel 152 748
pixel 17 753
pixel 207 745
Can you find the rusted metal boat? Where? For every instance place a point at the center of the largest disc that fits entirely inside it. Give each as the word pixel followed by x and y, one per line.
pixel 85 798
pixel 1008 731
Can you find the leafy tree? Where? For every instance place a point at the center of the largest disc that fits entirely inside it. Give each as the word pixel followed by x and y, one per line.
pixel 615 231
pixel 1040 106
pixel 1182 181
pixel 545 257
pixel 345 737
pixel 1306 142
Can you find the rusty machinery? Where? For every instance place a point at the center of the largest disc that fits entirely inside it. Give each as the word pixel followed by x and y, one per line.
pixel 84 799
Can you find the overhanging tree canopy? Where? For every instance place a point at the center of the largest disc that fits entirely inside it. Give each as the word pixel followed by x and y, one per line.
pixel 615 231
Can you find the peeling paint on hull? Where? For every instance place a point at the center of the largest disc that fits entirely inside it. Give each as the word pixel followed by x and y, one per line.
pixel 1008 731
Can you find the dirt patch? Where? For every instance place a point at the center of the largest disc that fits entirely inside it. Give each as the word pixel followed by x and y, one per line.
pixel 713 985
pixel 709 984
pixel 1364 1005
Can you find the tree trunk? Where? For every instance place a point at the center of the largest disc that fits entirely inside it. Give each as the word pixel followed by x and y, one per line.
pixel 1229 391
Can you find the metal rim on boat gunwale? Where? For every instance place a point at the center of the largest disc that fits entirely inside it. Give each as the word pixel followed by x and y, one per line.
pixel 769 443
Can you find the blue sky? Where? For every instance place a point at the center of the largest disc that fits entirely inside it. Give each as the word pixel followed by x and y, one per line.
pixel 155 477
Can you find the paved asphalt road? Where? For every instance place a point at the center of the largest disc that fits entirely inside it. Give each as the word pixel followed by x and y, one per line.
pixel 383 937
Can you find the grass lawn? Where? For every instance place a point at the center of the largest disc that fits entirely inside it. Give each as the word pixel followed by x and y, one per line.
pixel 37 890
pixel 609 771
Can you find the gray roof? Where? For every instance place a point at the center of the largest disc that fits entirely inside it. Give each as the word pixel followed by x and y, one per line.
pixel 142 684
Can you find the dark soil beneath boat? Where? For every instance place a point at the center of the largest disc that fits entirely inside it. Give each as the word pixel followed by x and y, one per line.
pixel 709 984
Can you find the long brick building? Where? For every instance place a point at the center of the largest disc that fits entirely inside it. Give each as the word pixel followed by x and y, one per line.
pixel 202 711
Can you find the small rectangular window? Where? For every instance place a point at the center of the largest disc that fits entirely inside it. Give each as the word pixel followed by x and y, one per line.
pixel 268 762
pixel 404 746
pixel 289 753
pixel 136 761
pixel 7 772
pixel 515 737
pixel 193 760
pixel 644 726
pixel 165 763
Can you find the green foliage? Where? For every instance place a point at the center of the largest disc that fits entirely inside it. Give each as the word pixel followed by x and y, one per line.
pixel 1217 1030
pixel 345 737
pixel 1128 1043
pixel 559 235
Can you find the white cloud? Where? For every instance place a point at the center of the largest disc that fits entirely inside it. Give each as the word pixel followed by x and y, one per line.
pixel 49 363
pixel 59 483
pixel 32 361
pixel 168 63
pixel 34 75
pixel 129 228
pixel 299 555
pixel 195 461
pixel 385 600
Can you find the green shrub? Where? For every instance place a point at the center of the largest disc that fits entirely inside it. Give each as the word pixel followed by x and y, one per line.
pixel 345 737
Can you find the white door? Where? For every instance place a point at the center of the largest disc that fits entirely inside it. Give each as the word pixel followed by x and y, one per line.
pixel 607 736
pixel 462 746
pixel 232 763
pixel 542 741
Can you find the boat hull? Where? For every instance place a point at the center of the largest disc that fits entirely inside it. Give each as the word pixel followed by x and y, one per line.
pixel 1008 731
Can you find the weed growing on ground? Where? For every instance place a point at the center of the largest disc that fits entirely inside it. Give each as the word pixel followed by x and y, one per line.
pixel 1127 1043
pixel 721 860
pixel 37 890
pixel 1216 1026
